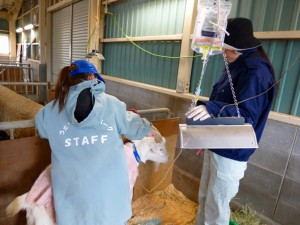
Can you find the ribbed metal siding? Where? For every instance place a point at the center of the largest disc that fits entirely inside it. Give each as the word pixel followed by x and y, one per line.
pixel 61 40
pixel 19 23
pixel 19 38
pixel 26 19
pixel 146 18
pixel 126 61
pixel 4 25
pixel 283 55
pixel 268 15
pixel 80 30
pixel 26 6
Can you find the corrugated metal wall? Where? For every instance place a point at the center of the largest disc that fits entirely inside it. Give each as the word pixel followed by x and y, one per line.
pixel 165 17
pixel 278 15
pixel 144 18
pixel 4 25
pixel 128 62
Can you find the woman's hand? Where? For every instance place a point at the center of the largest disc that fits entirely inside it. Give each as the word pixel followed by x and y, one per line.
pixel 198 113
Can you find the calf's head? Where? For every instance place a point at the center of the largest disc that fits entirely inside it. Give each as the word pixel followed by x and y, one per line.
pixel 149 149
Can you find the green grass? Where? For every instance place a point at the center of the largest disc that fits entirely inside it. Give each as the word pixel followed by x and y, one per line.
pixel 245 216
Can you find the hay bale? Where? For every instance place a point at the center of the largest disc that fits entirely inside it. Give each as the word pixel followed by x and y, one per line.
pixel 15 107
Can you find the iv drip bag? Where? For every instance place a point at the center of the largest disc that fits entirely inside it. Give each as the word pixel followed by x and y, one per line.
pixel 210 26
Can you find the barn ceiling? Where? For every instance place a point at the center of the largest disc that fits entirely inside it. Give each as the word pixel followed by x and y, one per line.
pixel 6 5
pixel 10 8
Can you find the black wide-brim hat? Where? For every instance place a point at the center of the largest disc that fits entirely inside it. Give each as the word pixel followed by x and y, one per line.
pixel 240 34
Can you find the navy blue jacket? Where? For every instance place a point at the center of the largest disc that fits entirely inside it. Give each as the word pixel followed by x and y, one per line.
pixel 251 75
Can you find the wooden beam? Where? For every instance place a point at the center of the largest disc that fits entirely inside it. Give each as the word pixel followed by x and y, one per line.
pixel 185 64
pixel 177 37
pixel 289 34
pixel 13 13
pixel 94 30
pixel 43 30
pixel 60 5
pixel 104 2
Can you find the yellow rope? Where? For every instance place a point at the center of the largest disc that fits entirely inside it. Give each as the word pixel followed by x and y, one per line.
pixel 162 180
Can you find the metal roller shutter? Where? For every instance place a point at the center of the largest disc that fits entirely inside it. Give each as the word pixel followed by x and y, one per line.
pixel 80 30
pixel 69 36
pixel 61 40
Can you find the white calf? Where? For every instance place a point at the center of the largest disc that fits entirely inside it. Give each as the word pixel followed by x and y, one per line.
pixel 38 202
pixel 143 150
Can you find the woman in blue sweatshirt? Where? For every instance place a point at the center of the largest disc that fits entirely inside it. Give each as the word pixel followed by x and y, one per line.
pixel 84 126
pixel 252 74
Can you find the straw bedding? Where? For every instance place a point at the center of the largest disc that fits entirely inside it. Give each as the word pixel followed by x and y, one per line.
pixel 168 207
pixel 171 207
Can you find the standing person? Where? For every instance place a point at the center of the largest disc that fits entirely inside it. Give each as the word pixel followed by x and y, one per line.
pixel 252 74
pixel 84 126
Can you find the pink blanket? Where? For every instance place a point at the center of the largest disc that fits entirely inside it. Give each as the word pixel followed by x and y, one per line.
pixel 41 193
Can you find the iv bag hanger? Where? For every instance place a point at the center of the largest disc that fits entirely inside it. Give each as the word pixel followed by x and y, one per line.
pixel 220 132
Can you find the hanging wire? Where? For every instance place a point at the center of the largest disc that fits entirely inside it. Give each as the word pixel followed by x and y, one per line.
pixel 144 50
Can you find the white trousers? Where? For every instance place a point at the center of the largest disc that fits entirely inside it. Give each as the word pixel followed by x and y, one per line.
pixel 219 183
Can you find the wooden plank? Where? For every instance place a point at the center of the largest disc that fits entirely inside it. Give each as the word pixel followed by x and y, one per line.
pixel 273 35
pixel 177 37
pixel 60 5
pixel 289 34
pixel 21 162
pixel 149 178
pixel 185 64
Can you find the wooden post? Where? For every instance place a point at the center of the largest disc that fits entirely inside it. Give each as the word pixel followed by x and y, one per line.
pixel 185 64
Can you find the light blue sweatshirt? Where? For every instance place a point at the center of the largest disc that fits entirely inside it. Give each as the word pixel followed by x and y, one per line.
pixel 89 171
